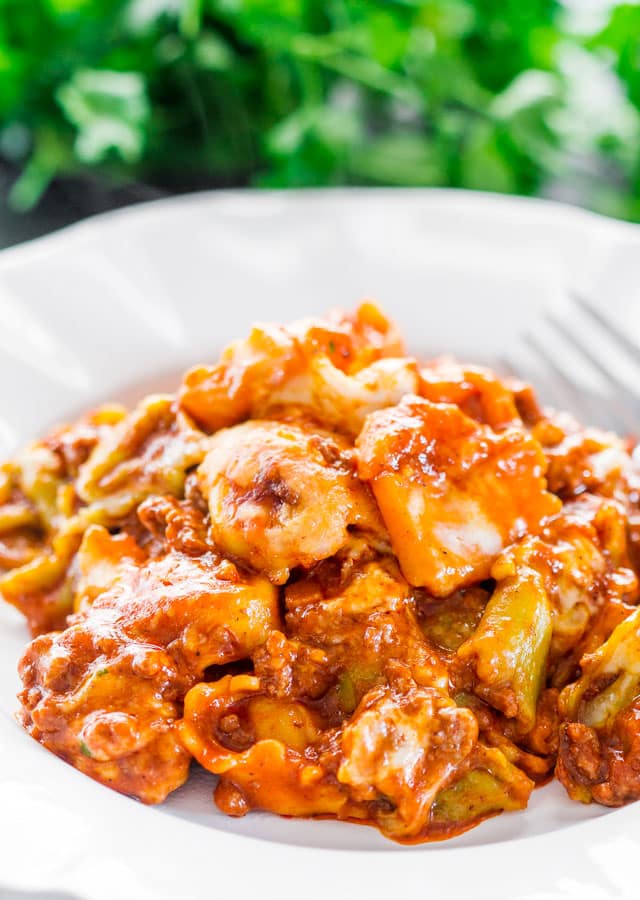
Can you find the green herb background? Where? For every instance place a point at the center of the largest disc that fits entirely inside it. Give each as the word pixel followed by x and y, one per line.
pixel 518 96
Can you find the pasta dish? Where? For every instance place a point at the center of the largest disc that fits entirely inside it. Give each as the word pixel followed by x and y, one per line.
pixel 348 583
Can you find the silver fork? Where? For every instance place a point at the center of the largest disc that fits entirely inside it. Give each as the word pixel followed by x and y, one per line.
pixel 616 406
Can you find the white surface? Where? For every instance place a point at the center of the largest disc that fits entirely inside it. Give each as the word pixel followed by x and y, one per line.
pixel 126 298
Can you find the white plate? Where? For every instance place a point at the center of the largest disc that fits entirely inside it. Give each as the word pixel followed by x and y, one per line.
pixel 130 298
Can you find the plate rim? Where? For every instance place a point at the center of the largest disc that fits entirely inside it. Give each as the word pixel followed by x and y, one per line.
pixel 139 210
pixel 385 867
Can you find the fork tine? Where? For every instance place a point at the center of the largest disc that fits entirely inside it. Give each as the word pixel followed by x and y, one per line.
pixel 568 387
pixel 546 386
pixel 626 406
pixel 632 348
pixel 576 400
pixel 505 367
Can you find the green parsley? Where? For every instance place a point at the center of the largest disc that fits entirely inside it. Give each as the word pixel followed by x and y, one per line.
pixel 446 93
pixel 85 750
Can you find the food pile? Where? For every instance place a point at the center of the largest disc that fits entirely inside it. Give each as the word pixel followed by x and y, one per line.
pixel 348 583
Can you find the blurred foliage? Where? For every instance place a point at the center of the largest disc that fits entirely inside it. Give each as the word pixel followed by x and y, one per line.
pixel 499 95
